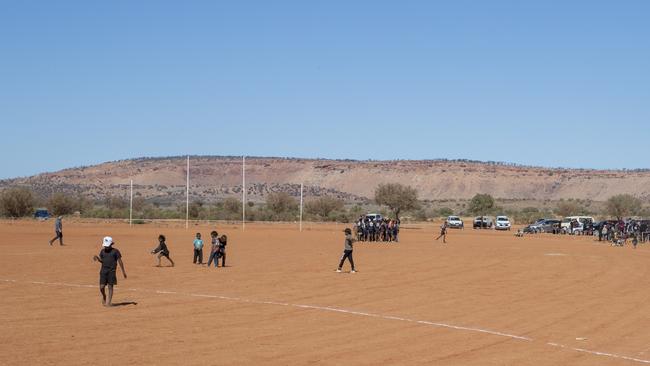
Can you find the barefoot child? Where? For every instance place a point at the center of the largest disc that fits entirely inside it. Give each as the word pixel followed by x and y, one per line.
pixel 198 249
pixel 109 257
pixel 347 250
pixel 162 250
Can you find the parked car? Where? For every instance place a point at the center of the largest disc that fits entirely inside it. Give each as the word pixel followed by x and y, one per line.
pixel 374 217
pixel 543 226
pixel 502 223
pixel 482 222
pixel 41 214
pixel 582 220
pixel 455 222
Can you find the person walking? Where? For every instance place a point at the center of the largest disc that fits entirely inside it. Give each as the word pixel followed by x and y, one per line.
pixel 347 251
pixel 109 257
pixel 58 229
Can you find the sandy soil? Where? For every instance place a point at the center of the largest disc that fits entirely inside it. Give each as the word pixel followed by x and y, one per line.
pixel 485 298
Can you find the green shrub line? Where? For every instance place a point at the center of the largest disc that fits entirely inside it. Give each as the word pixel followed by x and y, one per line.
pixel 396 199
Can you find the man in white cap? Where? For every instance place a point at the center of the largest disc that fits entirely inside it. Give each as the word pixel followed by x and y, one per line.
pixel 109 257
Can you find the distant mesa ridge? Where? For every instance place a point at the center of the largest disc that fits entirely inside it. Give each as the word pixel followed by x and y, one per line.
pixel 213 178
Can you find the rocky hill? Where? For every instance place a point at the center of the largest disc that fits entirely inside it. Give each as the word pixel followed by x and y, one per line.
pixel 213 178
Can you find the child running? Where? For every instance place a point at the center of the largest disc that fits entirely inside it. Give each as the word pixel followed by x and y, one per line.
pixel 214 253
pixel 198 249
pixel 109 257
pixel 162 250
pixel 347 251
pixel 443 233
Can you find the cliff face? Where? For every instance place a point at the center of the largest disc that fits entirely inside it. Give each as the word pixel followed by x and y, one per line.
pixel 213 178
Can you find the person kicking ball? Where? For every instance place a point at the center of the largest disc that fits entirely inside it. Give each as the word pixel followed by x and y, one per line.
pixel 443 233
pixel 109 257
pixel 347 251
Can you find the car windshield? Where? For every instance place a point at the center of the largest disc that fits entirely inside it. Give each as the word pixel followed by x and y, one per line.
pixel 502 219
pixel 455 218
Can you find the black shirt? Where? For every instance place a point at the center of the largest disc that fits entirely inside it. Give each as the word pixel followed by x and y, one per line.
pixel 109 259
pixel 162 248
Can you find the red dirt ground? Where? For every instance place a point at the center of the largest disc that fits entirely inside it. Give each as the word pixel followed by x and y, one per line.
pixel 485 298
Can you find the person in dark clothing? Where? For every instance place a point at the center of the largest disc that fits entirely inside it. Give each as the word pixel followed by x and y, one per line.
pixel 214 252
pixel 223 241
pixel 58 230
pixel 162 250
pixel 198 249
pixel 109 257
pixel 347 251
pixel 443 233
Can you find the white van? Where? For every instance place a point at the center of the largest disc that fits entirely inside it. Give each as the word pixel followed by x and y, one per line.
pixel 374 217
pixel 566 223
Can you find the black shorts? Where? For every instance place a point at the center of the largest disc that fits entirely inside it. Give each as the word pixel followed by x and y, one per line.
pixel 59 234
pixel 107 277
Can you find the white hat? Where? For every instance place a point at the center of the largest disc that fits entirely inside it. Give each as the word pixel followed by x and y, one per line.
pixel 108 241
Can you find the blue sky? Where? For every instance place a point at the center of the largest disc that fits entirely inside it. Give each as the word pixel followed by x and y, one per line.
pixel 552 83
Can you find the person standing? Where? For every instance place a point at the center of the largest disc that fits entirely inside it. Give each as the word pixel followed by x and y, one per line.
pixel 443 232
pixel 109 257
pixel 347 251
pixel 162 250
pixel 214 252
pixel 223 241
pixel 58 229
pixel 198 249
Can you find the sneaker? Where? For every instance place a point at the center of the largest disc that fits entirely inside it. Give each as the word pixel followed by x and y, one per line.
pixel 353 271
pixel 338 271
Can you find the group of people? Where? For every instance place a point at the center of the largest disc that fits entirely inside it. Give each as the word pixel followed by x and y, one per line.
pixel 619 232
pixel 373 229
pixel 217 250
pixel 110 258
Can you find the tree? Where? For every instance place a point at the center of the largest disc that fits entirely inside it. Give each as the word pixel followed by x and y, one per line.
pixel 323 206
pixel 445 211
pixel 623 205
pixel 116 203
pixel 481 204
pixel 569 208
pixel 194 209
pixel 17 202
pixel 397 197
pixel 139 203
pixel 281 206
pixel 232 205
pixel 61 204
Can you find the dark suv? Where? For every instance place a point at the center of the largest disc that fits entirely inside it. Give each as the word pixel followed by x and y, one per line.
pixel 482 222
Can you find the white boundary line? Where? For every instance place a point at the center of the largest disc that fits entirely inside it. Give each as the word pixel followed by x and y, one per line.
pixel 345 311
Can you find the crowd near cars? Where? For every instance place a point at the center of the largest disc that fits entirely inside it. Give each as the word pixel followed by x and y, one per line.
pixel 617 232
